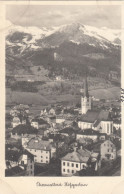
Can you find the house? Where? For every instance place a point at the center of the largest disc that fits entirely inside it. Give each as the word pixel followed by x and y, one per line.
pixel 16 121
pixel 25 139
pixel 52 111
pixel 78 160
pixel 108 150
pixel 43 150
pixel 68 131
pixel 60 118
pixel 20 130
pixel 26 161
pixel 67 118
pixel 43 132
pixel 39 123
pixel 88 133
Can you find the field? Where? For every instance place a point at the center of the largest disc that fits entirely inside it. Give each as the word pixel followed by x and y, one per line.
pixel 51 93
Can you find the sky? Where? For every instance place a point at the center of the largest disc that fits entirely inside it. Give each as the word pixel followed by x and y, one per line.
pixel 56 15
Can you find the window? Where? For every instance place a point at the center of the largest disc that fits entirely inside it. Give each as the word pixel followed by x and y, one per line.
pixel 68 164
pixel 104 144
pixel 41 160
pixel 72 164
pixel 68 171
pixel 41 151
pixel 112 150
pixel 46 157
pixel 76 165
pixel 46 161
pixel 41 156
pixel 108 150
pixel 22 162
pixel 84 166
pixel 30 150
pixel 63 170
pixel 72 171
pixel 107 127
pixel 35 150
pixel 63 163
pixel 46 152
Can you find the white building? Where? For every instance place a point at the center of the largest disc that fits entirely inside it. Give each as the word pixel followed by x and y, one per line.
pixel 108 150
pixel 42 150
pixel 77 160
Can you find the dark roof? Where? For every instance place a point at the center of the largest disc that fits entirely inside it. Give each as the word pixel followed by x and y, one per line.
pixel 88 132
pixel 24 129
pixel 104 115
pixel 41 131
pixel 39 144
pixel 90 116
pixel 68 130
pixel 95 116
pixel 40 121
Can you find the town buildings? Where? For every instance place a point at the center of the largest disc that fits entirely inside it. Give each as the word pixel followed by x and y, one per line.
pixel 78 160
pixel 43 150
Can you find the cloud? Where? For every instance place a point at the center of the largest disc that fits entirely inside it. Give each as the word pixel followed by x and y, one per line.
pixel 51 15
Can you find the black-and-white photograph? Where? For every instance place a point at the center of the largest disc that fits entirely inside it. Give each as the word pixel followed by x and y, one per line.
pixel 63 86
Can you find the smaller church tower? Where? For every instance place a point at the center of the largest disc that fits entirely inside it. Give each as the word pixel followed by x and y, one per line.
pixel 86 100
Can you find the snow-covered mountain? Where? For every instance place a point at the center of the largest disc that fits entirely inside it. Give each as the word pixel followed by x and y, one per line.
pixel 73 46
pixel 38 38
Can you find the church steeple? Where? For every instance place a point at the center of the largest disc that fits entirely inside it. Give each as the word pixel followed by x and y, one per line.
pixel 86 94
pixel 85 99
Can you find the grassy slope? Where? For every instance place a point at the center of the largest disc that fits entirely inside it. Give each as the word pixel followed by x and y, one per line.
pixel 48 98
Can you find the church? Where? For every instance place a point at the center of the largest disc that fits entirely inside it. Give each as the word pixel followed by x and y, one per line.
pixel 98 120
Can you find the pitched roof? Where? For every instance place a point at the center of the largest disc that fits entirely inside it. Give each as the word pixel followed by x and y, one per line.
pixel 94 116
pixel 68 130
pixel 39 144
pixel 88 132
pixel 104 115
pixel 90 116
pixel 81 155
pixel 75 157
pixel 40 121
pixel 108 142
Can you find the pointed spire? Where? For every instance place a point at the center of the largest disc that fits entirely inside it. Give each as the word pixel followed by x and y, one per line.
pixel 86 94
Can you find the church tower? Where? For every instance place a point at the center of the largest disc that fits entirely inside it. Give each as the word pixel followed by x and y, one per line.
pixel 85 99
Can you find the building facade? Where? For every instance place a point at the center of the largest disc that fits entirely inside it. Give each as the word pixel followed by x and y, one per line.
pixel 108 150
